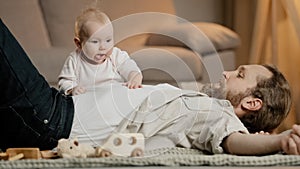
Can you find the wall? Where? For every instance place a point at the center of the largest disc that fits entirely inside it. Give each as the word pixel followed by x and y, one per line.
pixel 243 14
pixel 200 10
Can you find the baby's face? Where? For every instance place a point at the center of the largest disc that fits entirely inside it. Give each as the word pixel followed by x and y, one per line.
pixel 100 42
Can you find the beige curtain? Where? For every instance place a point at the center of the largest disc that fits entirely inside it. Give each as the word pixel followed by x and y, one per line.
pixel 276 37
pixel 270 33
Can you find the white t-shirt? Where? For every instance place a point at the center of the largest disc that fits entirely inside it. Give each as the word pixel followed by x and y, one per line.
pixel 99 111
pixel 77 71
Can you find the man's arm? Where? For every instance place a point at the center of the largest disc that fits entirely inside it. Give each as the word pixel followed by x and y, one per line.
pixel 253 144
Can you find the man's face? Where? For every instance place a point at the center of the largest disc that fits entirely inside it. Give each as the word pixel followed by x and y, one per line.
pixel 100 42
pixel 236 84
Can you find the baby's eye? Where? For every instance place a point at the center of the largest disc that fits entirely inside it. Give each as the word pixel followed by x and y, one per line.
pixel 94 41
pixel 108 40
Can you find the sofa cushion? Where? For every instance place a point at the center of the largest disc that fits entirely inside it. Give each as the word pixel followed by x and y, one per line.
pixel 50 61
pixel 167 64
pixel 199 36
pixel 163 63
pixel 25 20
pixel 60 19
pixel 120 8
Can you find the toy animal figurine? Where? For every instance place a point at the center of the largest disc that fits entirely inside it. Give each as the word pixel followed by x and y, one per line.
pixel 71 148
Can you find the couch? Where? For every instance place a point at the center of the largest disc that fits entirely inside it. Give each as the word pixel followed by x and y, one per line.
pixel 167 48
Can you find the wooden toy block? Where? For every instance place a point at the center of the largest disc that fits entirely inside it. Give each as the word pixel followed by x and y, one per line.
pixel 3 156
pixel 49 154
pixel 28 153
pixel 16 157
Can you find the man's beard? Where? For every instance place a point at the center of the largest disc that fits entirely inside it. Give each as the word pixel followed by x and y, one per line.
pixel 217 90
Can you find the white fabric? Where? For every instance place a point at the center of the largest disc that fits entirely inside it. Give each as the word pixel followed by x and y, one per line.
pixel 77 71
pixel 187 118
pixel 98 112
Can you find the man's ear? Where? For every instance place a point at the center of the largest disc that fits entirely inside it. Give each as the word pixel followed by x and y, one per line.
pixel 77 42
pixel 251 103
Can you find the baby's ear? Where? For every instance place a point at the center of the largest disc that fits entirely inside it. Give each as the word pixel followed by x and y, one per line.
pixel 77 42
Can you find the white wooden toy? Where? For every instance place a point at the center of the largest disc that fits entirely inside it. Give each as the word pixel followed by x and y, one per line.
pixel 124 144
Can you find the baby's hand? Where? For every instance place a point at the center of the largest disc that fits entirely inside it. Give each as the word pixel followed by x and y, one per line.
pixel 133 84
pixel 135 80
pixel 78 90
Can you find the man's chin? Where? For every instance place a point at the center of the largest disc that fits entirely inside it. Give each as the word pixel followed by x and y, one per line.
pixel 216 90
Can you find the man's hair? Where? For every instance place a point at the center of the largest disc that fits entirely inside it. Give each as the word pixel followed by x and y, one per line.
pixel 275 94
pixel 89 14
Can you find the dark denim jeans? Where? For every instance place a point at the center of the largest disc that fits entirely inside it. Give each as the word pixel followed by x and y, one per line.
pixel 32 114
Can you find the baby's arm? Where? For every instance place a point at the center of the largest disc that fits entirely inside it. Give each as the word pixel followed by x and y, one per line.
pixel 134 80
pixel 127 68
pixel 68 79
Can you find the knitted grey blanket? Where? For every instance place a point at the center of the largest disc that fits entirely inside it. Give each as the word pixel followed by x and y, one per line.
pixel 159 157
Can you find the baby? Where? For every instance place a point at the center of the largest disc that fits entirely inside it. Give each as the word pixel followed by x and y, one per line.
pixel 96 61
